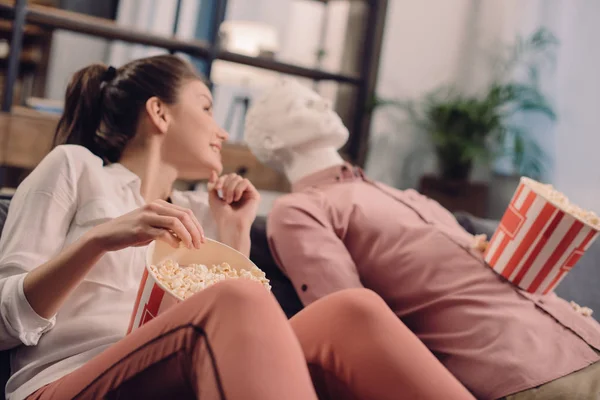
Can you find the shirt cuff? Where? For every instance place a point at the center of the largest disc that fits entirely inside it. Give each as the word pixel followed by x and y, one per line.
pixel 25 323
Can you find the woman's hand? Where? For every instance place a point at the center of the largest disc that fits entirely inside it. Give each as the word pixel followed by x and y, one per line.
pixel 48 286
pixel 158 220
pixel 238 201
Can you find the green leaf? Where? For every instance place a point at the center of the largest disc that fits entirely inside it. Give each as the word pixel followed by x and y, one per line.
pixel 518 150
pixel 464 128
pixel 534 74
pixel 531 106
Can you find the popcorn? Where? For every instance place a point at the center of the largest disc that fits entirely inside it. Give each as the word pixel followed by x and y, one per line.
pixel 540 238
pixel 480 242
pixel 164 284
pixel 185 281
pixel 585 311
pixel 561 201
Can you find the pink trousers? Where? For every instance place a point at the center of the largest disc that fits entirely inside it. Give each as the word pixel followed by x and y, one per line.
pixel 232 341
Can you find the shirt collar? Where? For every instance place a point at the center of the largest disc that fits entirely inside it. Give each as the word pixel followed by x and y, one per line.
pixel 340 173
pixel 125 176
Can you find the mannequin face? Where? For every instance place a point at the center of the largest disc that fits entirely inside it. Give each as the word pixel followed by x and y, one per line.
pixel 291 118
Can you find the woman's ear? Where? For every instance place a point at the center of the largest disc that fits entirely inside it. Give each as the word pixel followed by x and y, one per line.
pixel 159 115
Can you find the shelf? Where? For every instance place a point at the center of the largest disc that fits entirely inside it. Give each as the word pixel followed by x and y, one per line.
pixel 29 31
pixel 104 28
pixel 290 69
pixel 361 54
pixel 27 63
pixel 99 27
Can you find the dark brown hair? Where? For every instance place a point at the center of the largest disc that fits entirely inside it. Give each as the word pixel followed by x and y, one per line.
pixel 103 104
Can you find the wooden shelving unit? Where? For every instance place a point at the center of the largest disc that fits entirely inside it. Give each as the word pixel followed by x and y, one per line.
pixel 26 136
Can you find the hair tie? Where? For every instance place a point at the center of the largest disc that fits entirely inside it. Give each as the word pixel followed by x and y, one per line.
pixel 109 74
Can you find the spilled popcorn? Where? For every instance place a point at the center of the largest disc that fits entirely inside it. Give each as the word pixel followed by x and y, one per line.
pixel 480 243
pixel 185 281
pixel 585 311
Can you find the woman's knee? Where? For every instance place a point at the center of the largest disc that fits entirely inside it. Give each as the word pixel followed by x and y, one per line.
pixel 237 295
pixel 360 311
pixel 356 304
pixel 243 311
pixel 338 320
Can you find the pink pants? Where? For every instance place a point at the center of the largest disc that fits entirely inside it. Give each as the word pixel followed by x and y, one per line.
pixel 232 341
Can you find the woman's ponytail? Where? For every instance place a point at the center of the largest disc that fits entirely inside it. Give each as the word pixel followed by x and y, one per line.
pixel 82 113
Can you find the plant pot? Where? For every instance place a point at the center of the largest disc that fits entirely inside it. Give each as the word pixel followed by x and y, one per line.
pixel 451 167
pixel 455 195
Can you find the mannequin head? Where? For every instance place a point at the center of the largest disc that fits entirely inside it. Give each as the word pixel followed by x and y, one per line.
pixel 290 119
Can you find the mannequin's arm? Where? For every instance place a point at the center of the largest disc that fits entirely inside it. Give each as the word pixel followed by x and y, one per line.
pixel 305 246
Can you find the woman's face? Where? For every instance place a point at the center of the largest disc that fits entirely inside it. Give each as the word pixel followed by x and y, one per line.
pixel 194 140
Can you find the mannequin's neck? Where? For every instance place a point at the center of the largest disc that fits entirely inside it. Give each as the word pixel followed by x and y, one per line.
pixel 306 163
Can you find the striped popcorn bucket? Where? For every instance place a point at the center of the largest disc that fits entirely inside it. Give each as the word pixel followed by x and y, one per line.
pixel 537 243
pixel 153 298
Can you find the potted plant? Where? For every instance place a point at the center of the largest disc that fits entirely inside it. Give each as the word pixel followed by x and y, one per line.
pixel 464 128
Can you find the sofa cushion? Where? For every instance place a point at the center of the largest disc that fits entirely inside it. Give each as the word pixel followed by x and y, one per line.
pixel 282 288
pixel 475 225
pixel 4 204
pixel 582 283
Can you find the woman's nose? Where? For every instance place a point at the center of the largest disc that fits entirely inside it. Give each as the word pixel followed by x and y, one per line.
pixel 223 134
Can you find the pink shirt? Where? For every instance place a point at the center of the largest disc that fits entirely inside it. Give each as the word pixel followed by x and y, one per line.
pixel 340 230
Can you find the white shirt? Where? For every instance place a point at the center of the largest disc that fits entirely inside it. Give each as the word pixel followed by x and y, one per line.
pixel 66 195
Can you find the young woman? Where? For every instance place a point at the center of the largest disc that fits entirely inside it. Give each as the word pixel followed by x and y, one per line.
pixel 72 254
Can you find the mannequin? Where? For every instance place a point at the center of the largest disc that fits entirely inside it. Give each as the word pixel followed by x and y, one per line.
pixel 295 150
pixel 338 229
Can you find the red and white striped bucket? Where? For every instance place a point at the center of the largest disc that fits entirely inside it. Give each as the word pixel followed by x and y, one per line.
pixel 537 243
pixel 153 298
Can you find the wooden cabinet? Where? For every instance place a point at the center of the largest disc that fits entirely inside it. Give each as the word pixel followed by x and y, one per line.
pixel 239 159
pixel 471 197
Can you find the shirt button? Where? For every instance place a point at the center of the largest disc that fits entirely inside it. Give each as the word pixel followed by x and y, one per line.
pixel 304 288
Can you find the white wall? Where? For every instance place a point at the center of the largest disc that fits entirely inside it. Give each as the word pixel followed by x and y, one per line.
pixel 578 138
pixel 423 48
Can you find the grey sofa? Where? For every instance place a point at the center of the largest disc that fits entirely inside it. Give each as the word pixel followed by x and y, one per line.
pixel 582 285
